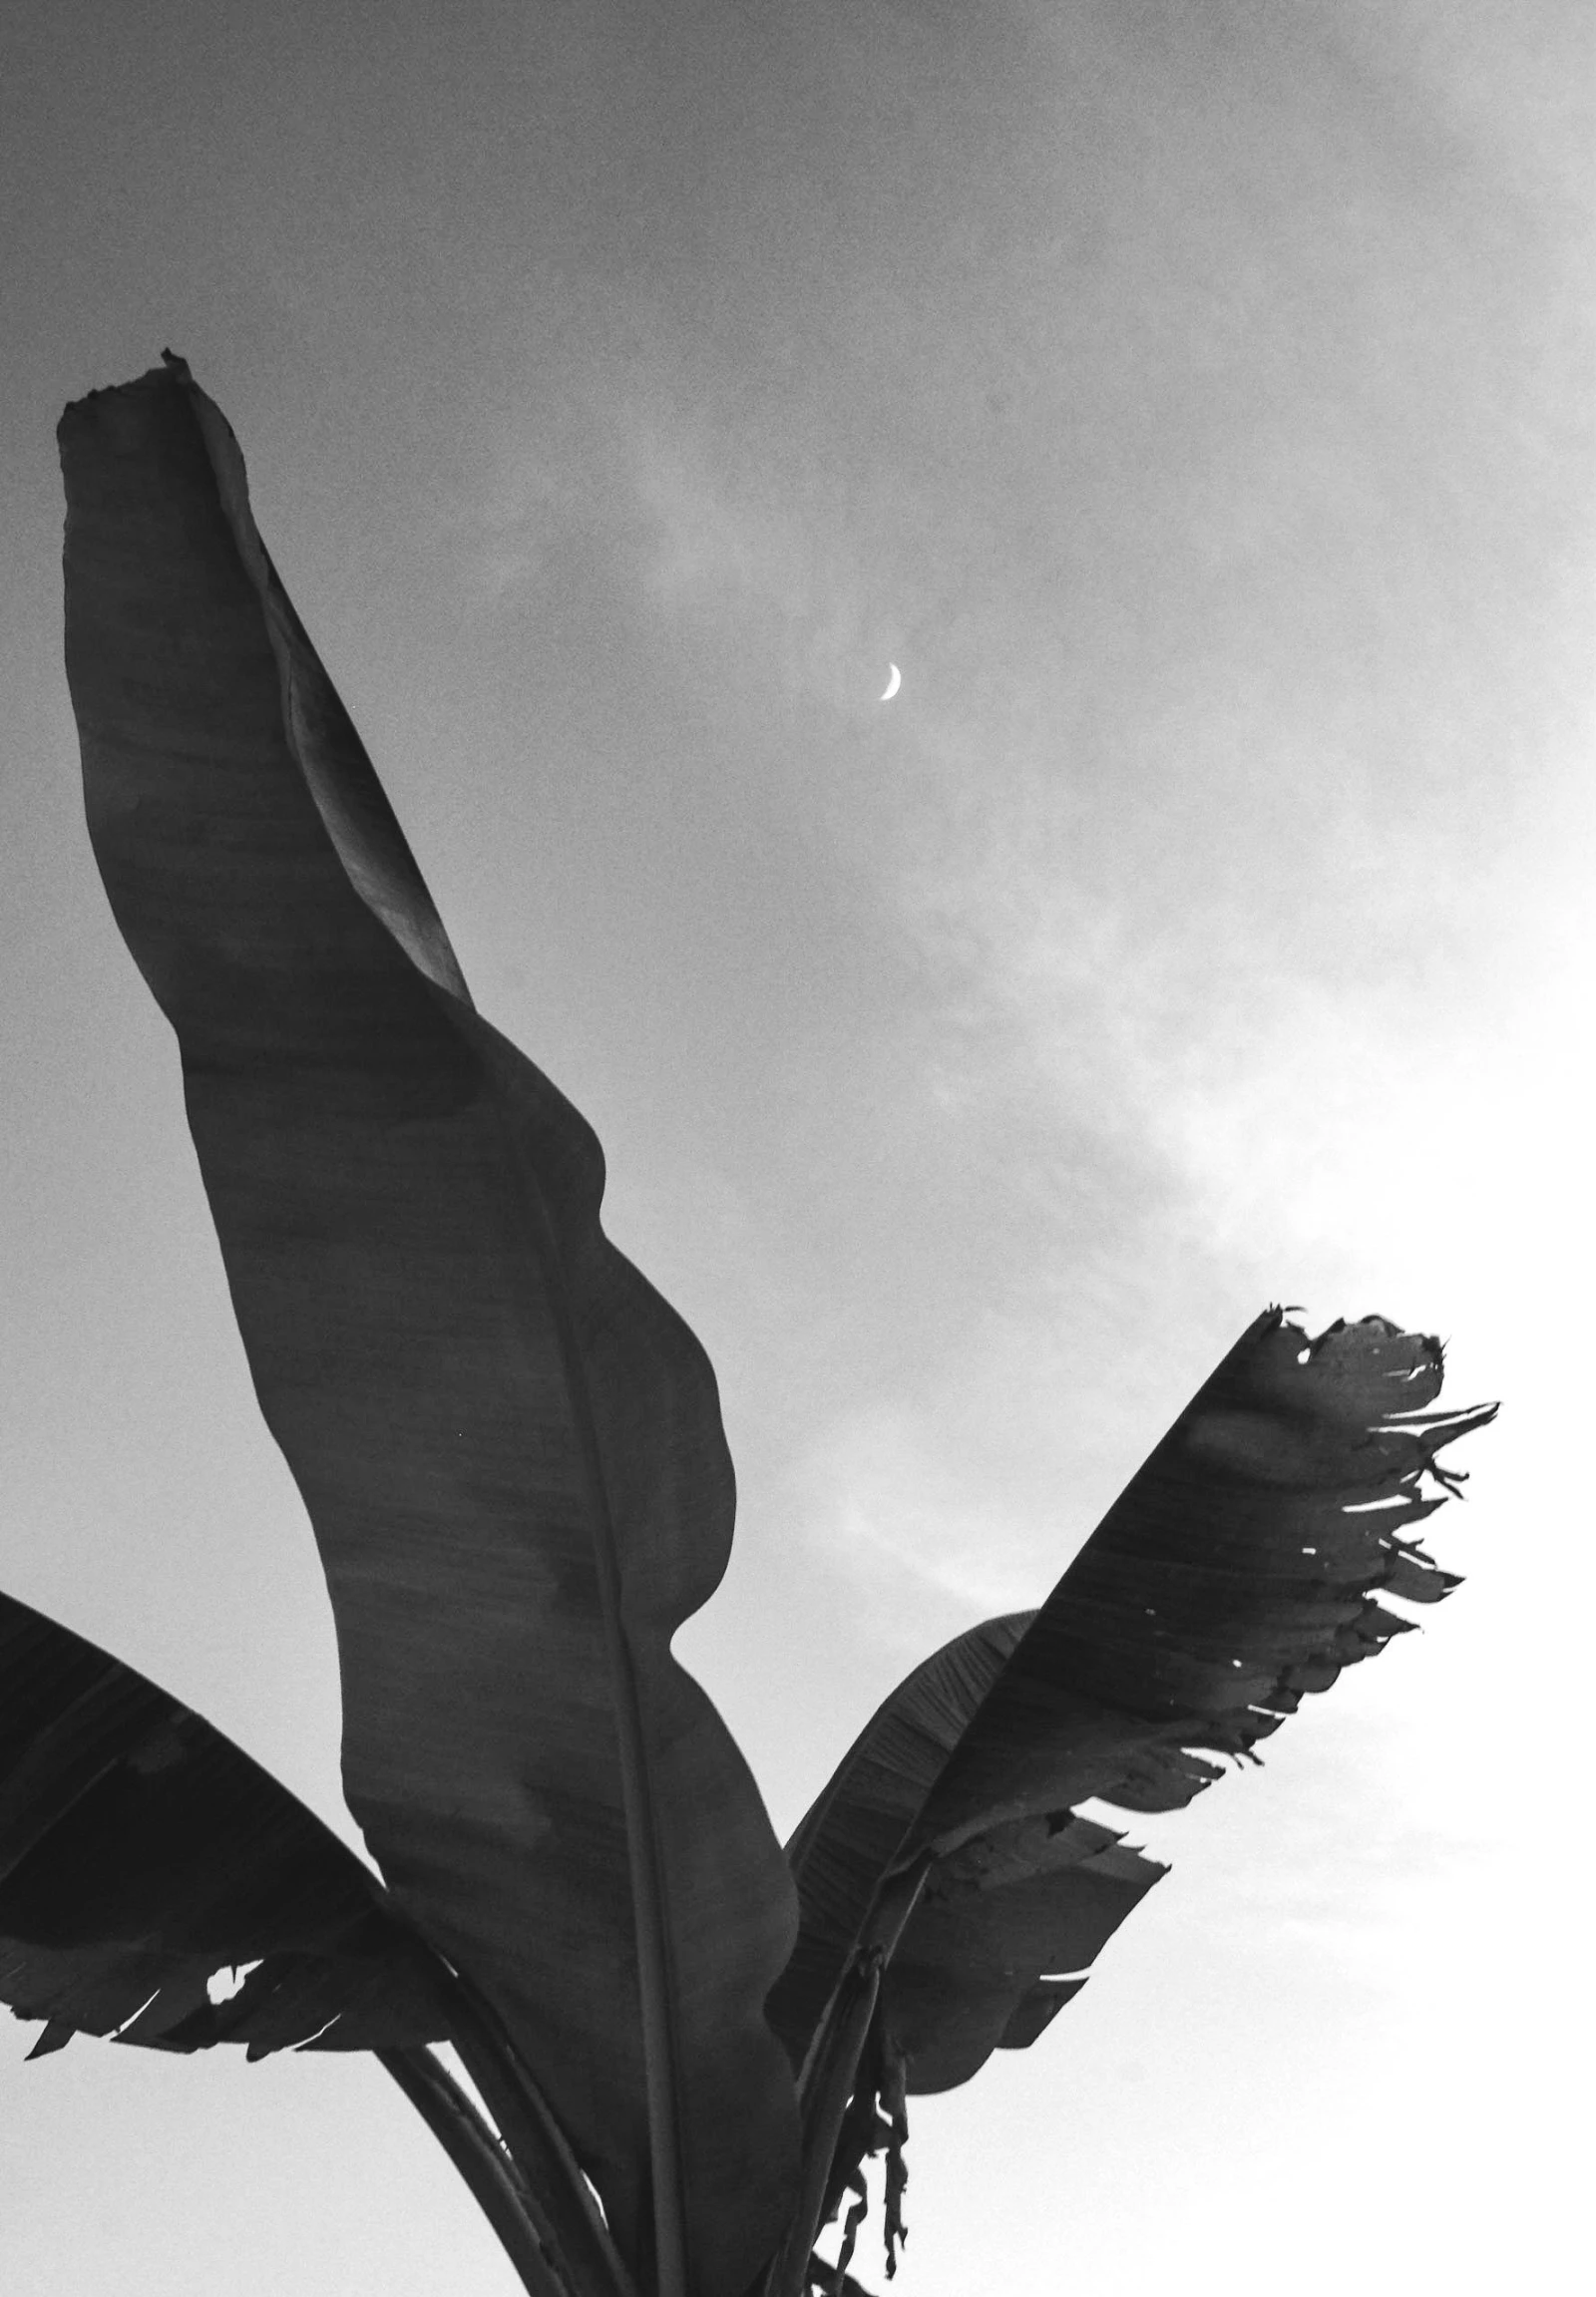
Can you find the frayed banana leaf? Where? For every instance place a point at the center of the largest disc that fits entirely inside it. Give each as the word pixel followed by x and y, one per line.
pixel 1238 1570
pixel 145 1863
pixel 509 1444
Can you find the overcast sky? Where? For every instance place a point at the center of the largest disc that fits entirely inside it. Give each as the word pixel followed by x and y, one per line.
pixel 1190 397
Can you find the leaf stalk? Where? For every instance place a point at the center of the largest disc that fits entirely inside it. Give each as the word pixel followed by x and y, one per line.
pixel 564 2214
pixel 481 2162
pixel 832 2068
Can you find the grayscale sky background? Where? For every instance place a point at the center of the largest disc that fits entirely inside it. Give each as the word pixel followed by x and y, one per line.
pixel 1191 396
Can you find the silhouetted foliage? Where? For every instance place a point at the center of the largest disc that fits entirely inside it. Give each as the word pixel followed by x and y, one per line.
pixel 511 1451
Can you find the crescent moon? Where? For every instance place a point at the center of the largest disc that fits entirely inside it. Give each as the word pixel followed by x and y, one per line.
pixel 893 682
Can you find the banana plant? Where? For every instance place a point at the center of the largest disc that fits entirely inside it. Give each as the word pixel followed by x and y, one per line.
pixel 683 2043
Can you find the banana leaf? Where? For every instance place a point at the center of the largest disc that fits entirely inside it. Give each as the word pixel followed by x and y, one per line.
pixel 509 1446
pixel 145 1863
pixel 1236 1572
pixel 982 1962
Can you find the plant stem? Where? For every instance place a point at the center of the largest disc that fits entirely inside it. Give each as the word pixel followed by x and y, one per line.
pixel 835 2068
pixel 563 2211
pixel 832 2068
pixel 483 2164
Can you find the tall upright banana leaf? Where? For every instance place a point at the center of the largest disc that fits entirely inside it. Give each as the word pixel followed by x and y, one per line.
pixel 511 1451
pixel 509 1446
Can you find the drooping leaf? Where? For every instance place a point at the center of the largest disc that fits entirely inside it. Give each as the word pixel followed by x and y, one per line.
pixel 1237 1571
pixel 146 1861
pixel 981 1962
pixel 509 1444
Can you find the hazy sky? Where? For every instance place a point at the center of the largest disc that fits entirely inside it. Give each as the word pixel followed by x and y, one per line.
pixel 1191 396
